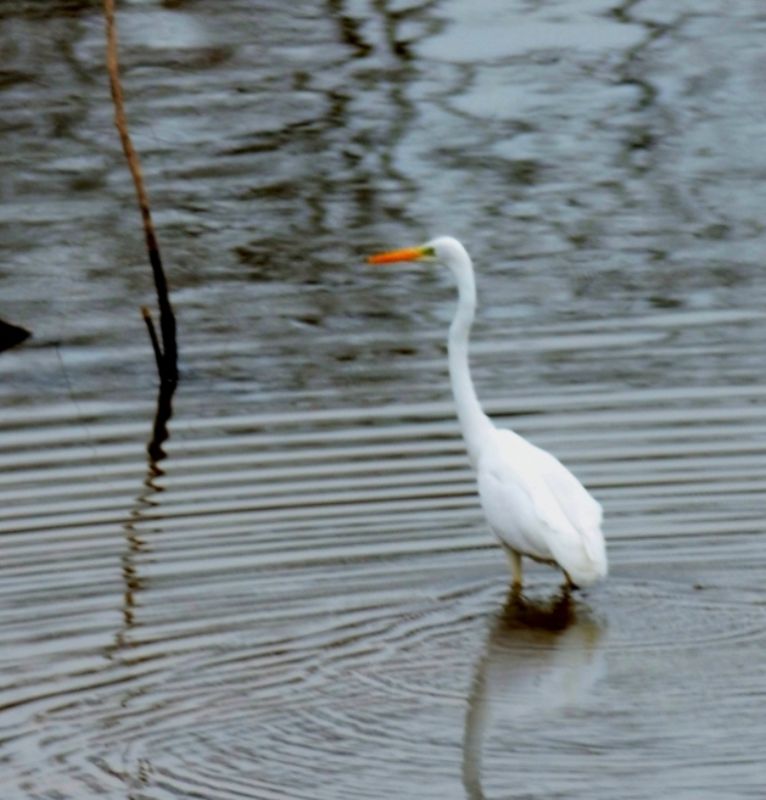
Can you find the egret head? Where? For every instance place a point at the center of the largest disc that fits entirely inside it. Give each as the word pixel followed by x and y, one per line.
pixel 443 249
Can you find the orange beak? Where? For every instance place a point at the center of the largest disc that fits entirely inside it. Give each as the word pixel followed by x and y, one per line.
pixel 408 254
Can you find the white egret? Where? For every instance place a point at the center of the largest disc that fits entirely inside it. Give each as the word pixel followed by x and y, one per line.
pixel 533 503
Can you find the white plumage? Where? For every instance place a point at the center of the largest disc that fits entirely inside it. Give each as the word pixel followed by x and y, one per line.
pixel 533 503
pixel 537 508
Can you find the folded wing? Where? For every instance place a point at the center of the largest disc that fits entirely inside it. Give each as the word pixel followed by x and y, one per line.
pixel 536 505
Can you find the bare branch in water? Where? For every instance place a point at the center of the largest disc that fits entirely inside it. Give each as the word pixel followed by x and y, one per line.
pixel 165 353
pixel 167 362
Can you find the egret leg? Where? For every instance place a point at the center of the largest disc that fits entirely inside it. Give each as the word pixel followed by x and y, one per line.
pixel 516 570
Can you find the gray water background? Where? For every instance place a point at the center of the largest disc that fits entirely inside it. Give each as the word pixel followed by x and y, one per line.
pixel 302 599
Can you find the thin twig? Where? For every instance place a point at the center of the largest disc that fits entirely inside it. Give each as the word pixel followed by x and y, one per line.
pixel 167 361
pixel 147 315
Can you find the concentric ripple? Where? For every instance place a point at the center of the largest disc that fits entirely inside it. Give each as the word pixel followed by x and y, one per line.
pixel 292 588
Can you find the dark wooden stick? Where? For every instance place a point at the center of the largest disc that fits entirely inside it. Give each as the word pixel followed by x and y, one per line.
pixel 167 361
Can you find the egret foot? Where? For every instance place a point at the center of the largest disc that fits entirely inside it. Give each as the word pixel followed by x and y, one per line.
pixel 569 585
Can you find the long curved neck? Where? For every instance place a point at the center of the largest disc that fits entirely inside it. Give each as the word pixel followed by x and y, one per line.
pixel 473 421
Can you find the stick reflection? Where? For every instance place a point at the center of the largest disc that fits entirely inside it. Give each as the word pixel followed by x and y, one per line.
pixel 136 546
pixel 539 658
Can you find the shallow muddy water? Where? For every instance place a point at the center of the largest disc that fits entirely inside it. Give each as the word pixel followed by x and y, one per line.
pixel 298 597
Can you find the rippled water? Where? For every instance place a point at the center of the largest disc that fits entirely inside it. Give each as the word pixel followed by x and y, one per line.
pixel 299 597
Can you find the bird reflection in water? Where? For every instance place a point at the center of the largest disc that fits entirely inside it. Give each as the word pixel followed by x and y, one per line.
pixel 540 658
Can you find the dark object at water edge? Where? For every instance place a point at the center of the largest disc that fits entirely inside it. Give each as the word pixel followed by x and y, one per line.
pixel 11 335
